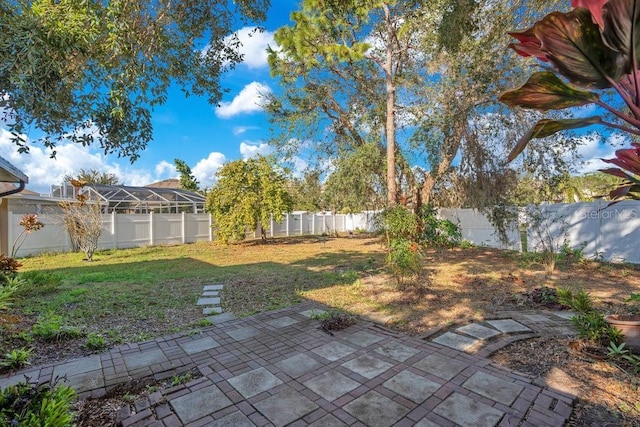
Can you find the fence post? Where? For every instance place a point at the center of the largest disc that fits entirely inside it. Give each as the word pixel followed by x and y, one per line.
pixel 114 230
pixel 151 228
pixel 271 226
pixel 210 228
pixel 286 218
pixel 301 233
pixel 335 230
pixel 184 228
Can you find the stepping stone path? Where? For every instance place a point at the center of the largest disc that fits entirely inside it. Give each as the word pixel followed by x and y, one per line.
pixel 485 337
pixel 210 302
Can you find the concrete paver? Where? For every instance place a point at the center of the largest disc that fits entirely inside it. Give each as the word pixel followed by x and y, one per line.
pixel 412 386
pixel 478 331
pixel 208 301
pixel 297 406
pixel 279 368
pixel 376 410
pixel 213 287
pixel 459 342
pixel 508 325
pixel 254 382
pixel 494 388
pixel 193 406
pixel 331 385
pixel 468 412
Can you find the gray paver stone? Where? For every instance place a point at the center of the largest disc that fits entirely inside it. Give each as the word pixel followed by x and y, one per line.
pixel 243 333
pixel 478 331
pixel 197 404
pixel 412 386
pixel 327 421
pixel 508 325
pixel 376 410
pixel 211 293
pixel 397 351
pixel 440 366
pixel 536 317
pixel 564 314
pixel 282 322
pixel 144 359
pixel 211 310
pixel 221 318
pixel 313 312
pixel 298 365
pixel 86 381
pixel 208 301
pixel 456 341
pixel 213 287
pixel 79 366
pixel 425 423
pixel 15 379
pixel 297 406
pixel 492 387
pixel 331 385
pixel 196 346
pixel 367 366
pixel 467 412
pixel 333 350
pixel 363 338
pixel 254 382
pixel 236 419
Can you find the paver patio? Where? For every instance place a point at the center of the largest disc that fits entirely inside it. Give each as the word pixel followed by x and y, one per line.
pixel 278 368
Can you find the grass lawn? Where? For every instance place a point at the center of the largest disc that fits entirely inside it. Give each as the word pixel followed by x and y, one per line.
pixel 133 295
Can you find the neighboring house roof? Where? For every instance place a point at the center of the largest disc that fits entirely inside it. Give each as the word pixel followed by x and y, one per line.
pixel 9 186
pixel 166 183
pixel 10 173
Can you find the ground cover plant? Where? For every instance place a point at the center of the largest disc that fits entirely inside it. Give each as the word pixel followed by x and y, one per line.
pixel 135 294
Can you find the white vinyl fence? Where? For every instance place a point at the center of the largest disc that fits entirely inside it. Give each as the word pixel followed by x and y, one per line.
pixel 607 233
pixel 137 230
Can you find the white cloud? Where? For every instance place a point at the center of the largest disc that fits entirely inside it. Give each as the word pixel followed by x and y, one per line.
pixel 239 130
pixel 254 46
pixel 43 171
pixel 249 100
pixel 250 149
pixel 165 167
pixel 205 170
pixel 592 149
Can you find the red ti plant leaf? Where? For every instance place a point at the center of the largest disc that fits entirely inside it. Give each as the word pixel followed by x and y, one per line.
pixel 574 46
pixel 594 6
pixel 529 44
pixel 545 91
pixel 622 28
pixel 628 160
pixel 547 127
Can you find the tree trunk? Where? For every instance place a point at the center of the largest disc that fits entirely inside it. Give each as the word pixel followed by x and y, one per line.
pixel 392 192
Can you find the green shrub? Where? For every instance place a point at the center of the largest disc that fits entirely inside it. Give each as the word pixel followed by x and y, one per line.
pixel 403 259
pixel 36 405
pixel 9 286
pixel 95 342
pixel 51 327
pixel 437 232
pixel 17 358
pixel 398 223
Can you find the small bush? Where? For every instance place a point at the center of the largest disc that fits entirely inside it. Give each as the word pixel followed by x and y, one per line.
pixel 35 405
pixel 95 342
pixel 9 287
pixel 8 266
pixel 403 259
pixel 436 232
pixel 51 327
pixel 17 358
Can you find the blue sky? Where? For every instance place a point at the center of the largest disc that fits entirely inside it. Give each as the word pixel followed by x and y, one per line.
pixel 204 136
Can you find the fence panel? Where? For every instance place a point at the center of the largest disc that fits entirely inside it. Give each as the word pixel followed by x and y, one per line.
pixel 477 229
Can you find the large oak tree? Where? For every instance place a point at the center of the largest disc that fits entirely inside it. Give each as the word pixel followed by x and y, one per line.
pixel 93 70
